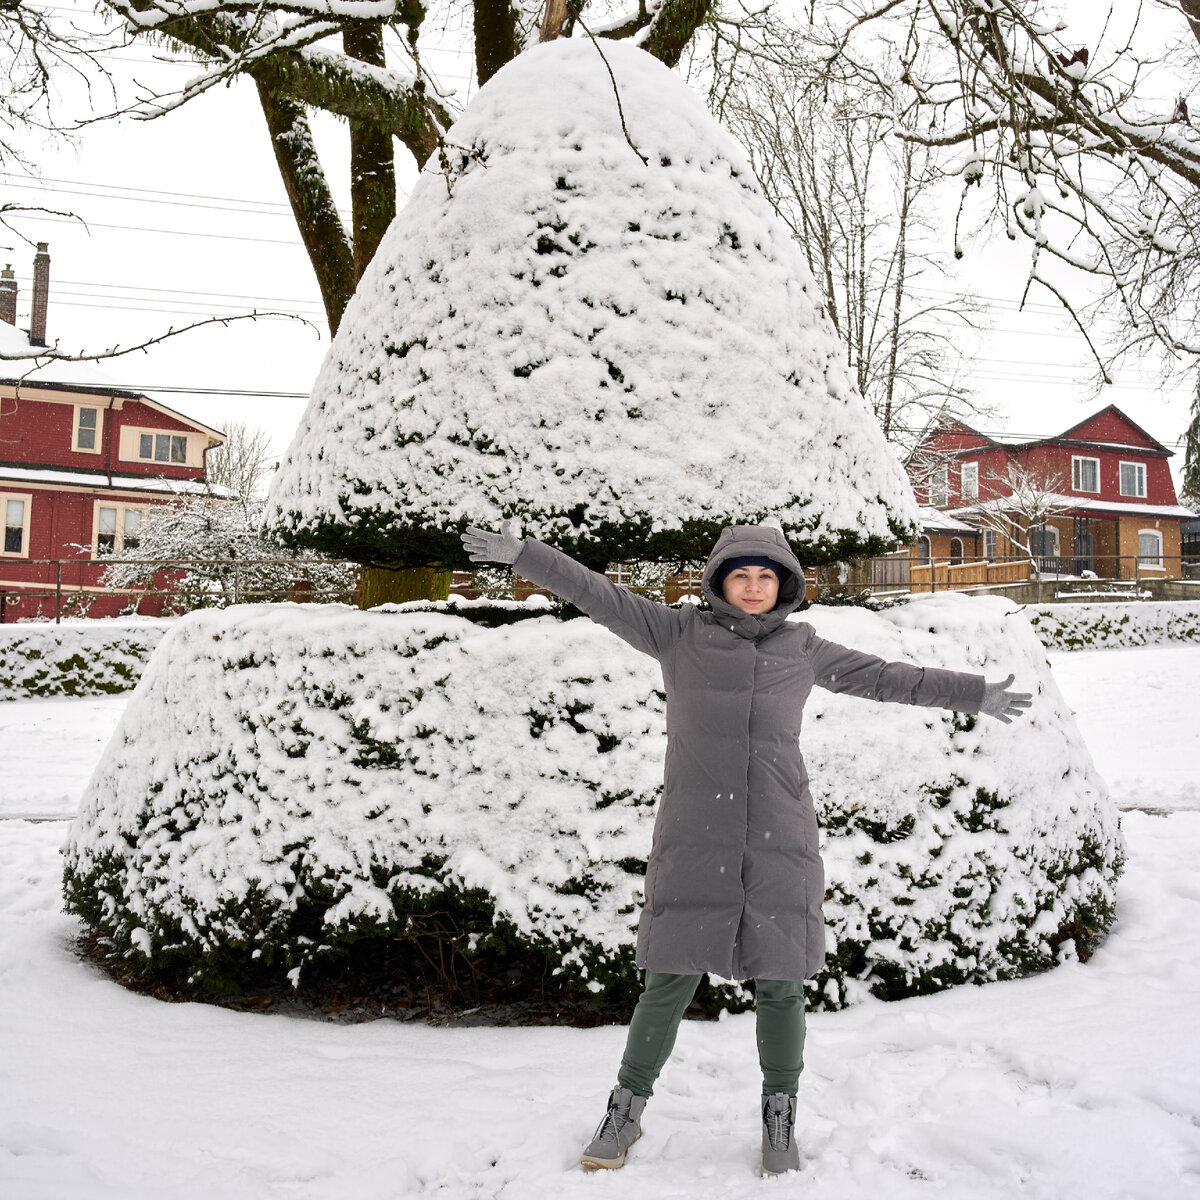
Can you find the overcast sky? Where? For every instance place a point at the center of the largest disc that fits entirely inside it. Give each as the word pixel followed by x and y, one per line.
pixel 186 217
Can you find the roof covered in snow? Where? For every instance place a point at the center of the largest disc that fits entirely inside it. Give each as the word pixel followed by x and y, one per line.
pixel 587 316
pixel 119 482
pixel 14 341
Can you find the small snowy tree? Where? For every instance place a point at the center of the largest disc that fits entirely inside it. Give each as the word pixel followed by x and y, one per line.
pixel 1025 498
pixel 209 553
pixel 589 318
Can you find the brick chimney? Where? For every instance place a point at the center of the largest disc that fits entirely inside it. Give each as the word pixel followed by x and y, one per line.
pixel 8 295
pixel 41 295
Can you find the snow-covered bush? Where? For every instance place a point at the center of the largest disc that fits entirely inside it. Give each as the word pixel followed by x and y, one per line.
pixel 76 658
pixel 1104 626
pixel 287 781
pixel 588 317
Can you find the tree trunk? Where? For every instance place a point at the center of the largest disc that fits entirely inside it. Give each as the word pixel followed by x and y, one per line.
pixel 312 202
pixel 372 157
pixel 495 37
pixel 673 27
pixel 901 271
pixel 381 584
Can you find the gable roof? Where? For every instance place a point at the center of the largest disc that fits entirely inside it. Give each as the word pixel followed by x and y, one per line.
pixel 1154 443
pixel 83 378
pixel 1070 436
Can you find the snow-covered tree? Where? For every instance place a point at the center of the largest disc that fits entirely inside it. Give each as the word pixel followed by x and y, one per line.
pixel 588 318
pixel 208 553
pixel 1023 500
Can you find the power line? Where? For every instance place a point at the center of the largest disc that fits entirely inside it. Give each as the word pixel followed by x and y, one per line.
pixel 268 209
pixel 226 237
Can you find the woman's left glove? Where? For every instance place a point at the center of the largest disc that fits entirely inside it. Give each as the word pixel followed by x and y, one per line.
pixel 1002 704
pixel 482 545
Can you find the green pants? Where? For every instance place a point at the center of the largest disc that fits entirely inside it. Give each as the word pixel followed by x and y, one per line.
pixel 779 1006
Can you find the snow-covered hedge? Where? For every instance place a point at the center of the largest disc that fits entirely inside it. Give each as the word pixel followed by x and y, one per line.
pixel 587 317
pixel 79 658
pixel 1104 626
pixel 287 780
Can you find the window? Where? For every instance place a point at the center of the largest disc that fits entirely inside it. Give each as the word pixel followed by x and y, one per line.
pixel 989 544
pixel 1149 548
pixel 970 481
pixel 939 487
pixel 956 552
pixel 1133 479
pixel 132 528
pixel 1085 474
pixel 118 529
pixel 16 510
pixel 85 429
pixel 924 549
pixel 162 447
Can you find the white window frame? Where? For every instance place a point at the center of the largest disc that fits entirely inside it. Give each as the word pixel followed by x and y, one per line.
pixel 939 486
pixel 1155 564
pixel 1140 469
pixel 970 470
pixel 27 497
pixel 989 545
pixel 1076 461
pixel 119 538
pixel 75 446
pixel 924 549
pixel 131 440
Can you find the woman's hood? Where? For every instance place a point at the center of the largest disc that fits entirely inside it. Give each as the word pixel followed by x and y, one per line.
pixel 754 541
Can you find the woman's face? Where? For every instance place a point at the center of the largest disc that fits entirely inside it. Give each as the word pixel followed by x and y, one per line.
pixel 752 589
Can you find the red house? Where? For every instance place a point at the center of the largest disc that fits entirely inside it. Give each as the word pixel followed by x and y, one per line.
pixel 1117 512
pixel 81 461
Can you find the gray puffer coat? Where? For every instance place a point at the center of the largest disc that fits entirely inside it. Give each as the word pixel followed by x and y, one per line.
pixel 734 883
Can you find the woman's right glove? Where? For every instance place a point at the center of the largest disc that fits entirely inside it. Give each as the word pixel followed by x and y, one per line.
pixel 483 546
pixel 1002 704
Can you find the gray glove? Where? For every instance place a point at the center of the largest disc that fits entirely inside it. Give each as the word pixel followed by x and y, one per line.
pixel 483 546
pixel 1002 704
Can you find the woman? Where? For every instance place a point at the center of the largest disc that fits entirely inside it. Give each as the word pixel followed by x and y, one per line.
pixel 734 883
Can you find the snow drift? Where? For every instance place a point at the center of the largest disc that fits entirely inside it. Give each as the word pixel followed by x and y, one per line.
pixel 288 780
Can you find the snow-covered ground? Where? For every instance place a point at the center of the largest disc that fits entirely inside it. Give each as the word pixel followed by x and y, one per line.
pixel 1084 1082
pixel 50 748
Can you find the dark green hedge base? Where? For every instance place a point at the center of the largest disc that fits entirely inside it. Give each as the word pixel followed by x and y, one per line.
pixel 431 973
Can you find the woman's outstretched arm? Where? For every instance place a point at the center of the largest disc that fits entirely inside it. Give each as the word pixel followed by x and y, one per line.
pixel 647 626
pixel 840 669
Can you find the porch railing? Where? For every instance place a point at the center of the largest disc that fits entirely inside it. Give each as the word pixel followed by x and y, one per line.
pixel 184 583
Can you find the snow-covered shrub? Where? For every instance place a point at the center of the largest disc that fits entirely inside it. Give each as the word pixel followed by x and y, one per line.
pixel 1104 626
pixel 588 317
pixel 286 781
pixel 76 658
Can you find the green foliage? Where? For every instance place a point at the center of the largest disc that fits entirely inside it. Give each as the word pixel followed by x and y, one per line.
pixel 89 659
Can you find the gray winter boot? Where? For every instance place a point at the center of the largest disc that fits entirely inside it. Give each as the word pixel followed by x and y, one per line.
pixel 779 1150
pixel 618 1131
